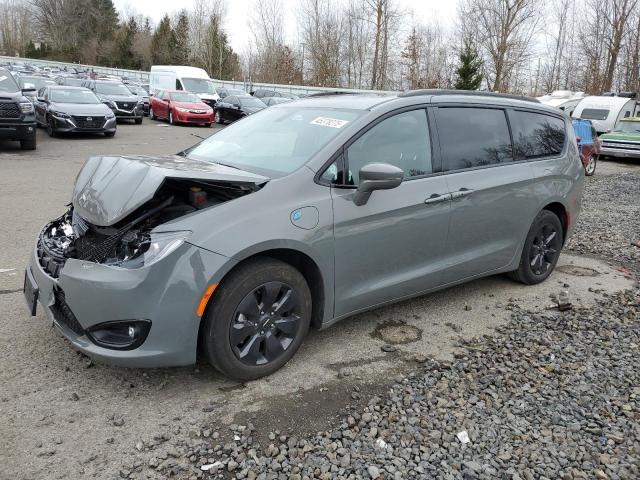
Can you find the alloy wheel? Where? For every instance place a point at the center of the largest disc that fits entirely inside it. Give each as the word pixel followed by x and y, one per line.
pixel 544 249
pixel 591 165
pixel 217 117
pixel 265 323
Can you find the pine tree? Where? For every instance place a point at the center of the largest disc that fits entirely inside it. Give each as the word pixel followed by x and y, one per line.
pixel 181 51
pixel 163 43
pixel 469 70
pixel 125 56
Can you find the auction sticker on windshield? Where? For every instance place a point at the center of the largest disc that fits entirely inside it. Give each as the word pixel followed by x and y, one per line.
pixel 329 122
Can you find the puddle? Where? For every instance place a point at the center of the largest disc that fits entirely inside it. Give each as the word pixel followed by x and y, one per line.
pixel 397 333
pixel 577 271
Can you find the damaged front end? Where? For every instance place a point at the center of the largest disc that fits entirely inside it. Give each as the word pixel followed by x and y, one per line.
pixel 132 241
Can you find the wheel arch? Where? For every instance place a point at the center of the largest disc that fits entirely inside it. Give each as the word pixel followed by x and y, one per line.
pixel 561 212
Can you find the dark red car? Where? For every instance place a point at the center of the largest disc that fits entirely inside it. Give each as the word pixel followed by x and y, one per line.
pixel 588 144
pixel 180 107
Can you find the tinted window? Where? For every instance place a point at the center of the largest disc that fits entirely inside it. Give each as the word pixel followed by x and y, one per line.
pixel 473 137
pixel 594 114
pixel 401 140
pixel 536 135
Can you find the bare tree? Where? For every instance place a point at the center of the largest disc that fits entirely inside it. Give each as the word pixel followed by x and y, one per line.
pixel 15 26
pixel 504 30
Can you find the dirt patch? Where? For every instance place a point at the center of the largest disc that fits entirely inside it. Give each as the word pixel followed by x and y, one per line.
pixel 397 333
pixel 577 271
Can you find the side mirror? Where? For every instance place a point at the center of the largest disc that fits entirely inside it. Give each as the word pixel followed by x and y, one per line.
pixel 376 176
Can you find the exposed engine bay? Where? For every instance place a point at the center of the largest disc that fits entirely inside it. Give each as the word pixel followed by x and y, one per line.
pixel 71 236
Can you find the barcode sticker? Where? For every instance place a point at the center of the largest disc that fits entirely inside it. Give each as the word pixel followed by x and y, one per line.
pixel 329 122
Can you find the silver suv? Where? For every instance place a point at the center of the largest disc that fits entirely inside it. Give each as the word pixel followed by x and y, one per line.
pixel 301 215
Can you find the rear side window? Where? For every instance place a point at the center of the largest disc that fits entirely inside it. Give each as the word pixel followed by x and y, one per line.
pixel 536 135
pixel 594 114
pixel 473 137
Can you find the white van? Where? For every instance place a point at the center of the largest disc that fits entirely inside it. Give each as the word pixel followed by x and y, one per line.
pixel 565 100
pixel 606 112
pixel 190 79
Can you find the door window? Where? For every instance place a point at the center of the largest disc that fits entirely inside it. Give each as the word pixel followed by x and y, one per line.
pixel 536 135
pixel 401 140
pixel 473 137
pixel 178 84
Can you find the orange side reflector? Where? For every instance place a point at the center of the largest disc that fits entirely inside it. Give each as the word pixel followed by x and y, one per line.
pixel 205 298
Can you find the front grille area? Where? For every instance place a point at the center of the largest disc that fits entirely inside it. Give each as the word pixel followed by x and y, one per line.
pixel 9 110
pixel 63 314
pixel 128 106
pixel 84 122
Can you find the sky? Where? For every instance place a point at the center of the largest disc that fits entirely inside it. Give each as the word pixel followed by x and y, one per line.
pixel 236 14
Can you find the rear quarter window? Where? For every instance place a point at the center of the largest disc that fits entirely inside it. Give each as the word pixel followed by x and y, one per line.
pixel 473 137
pixel 536 135
pixel 595 114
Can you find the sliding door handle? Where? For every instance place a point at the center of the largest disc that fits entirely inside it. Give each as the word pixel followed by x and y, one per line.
pixel 463 192
pixel 437 198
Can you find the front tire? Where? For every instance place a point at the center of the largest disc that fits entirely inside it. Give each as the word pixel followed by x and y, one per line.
pixel 257 319
pixel 138 121
pixel 218 118
pixel 171 122
pixel 51 131
pixel 152 115
pixel 590 167
pixel 109 134
pixel 541 249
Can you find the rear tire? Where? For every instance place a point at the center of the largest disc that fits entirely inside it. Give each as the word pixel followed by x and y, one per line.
pixel 541 249
pixel 256 319
pixel 590 168
pixel 29 143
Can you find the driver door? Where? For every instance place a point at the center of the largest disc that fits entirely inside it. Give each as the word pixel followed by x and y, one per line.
pixel 40 106
pixel 392 246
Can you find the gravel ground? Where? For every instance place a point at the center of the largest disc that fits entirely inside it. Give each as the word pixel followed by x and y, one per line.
pixel 551 396
pixel 610 219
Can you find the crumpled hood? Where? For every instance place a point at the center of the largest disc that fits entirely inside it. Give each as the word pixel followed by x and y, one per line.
pixel 109 188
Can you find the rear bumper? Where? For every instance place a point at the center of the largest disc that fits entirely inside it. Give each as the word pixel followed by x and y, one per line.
pixel 166 294
pixel 17 131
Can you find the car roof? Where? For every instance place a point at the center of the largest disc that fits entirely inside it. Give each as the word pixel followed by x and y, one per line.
pixel 601 101
pixel 67 87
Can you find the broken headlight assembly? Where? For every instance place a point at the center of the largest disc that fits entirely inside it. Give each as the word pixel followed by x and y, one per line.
pixel 143 250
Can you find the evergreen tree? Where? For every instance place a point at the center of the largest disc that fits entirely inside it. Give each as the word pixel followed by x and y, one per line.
pixel 125 56
pixel 469 70
pixel 181 51
pixel 163 43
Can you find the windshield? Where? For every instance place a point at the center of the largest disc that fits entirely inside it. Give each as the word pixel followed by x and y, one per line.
pixel 595 114
pixel 628 127
pixel 72 82
pixel 112 89
pixel 278 140
pixel 185 97
pixel 199 85
pixel 73 96
pixel 7 83
pixel 251 102
pixel 141 92
pixel 37 82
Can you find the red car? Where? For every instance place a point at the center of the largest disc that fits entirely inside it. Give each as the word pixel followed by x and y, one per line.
pixel 180 107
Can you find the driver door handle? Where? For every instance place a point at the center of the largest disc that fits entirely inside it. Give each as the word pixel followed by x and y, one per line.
pixel 437 198
pixel 463 192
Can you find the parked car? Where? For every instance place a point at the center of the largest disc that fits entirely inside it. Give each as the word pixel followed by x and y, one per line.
pixel 142 95
pixel 606 111
pixel 588 144
pixel 189 79
pixel 624 140
pixel 264 93
pixel 268 101
pixel 17 120
pixel 62 109
pixel 32 84
pixel 124 104
pixel 234 107
pixel 70 81
pixel 302 215
pixel 180 107
pixel 225 92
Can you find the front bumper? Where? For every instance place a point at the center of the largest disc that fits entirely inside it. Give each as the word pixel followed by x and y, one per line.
pixel 189 117
pixel 67 125
pixel 17 130
pixel 123 114
pixel 166 293
pixel 620 152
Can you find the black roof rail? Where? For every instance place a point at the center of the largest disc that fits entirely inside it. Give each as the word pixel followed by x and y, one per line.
pixel 468 93
pixel 326 94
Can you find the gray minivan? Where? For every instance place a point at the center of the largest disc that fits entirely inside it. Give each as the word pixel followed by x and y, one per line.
pixel 301 215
